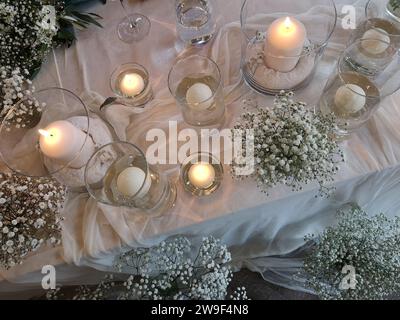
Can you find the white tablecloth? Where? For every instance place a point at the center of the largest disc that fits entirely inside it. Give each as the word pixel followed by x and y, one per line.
pixel 257 228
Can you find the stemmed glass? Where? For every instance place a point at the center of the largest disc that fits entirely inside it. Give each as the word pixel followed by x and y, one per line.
pixel 133 27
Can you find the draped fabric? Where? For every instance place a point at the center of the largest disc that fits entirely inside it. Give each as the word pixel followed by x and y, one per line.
pixel 264 233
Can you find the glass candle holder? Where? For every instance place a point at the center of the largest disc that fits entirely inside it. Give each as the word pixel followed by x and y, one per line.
pixel 384 9
pixel 202 174
pixel 378 25
pixel 195 22
pixel 283 42
pixel 130 82
pixel 353 97
pixel 52 133
pixel 196 84
pixel 119 175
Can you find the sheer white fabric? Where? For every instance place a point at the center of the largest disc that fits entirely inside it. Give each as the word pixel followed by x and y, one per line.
pixel 259 230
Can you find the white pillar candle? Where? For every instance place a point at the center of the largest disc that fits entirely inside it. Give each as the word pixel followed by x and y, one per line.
pixel 350 98
pixel 132 84
pixel 133 181
pixel 199 96
pixel 202 175
pixel 376 41
pixel 64 142
pixel 284 43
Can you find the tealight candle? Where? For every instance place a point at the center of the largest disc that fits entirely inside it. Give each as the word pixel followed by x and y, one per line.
pixel 350 98
pixel 64 142
pixel 132 84
pixel 202 175
pixel 377 41
pixel 284 43
pixel 199 96
pixel 132 180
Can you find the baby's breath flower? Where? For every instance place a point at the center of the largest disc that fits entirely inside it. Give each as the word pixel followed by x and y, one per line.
pixel 370 245
pixel 292 144
pixel 25 226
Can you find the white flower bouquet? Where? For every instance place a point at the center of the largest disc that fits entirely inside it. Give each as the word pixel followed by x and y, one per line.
pixel 292 144
pixel 29 216
pixel 368 247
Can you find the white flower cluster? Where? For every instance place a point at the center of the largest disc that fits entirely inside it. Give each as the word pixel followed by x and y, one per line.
pixel 29 216
pixel 168 272
pixel 292 144
pixel 47 27
pixel 370 245
pixel 27 29
pixel 16 87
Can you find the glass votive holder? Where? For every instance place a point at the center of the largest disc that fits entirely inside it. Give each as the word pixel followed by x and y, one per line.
pixel 52 133
pixel 283 42
pixel 118 174
pixel 353 97
pixel 380 24
pixel 387 10
pixel 196 84
pixel 130 82
pixel 195 22
pixel 202 174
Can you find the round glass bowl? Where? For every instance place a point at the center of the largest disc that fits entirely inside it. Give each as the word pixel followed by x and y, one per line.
pixel 196 84
pixel 353 97
pixel 130 82
pixel 52 133
pixel 119 175
pixel 379 24
pixel 24 145
pixel 384 9
pixel 202 174
pixel 284 41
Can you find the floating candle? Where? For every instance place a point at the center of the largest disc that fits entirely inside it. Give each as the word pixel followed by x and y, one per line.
pixel 132 180
pixel 284 43
pixel 199 96
pixel 377 41
pixel 132 84
pixel 202 175
pixel 64 142
pixel 350 98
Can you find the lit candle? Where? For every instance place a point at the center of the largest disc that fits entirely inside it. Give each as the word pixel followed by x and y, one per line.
pixel 199 96
pixel 133 181
pixel 284 43
pixel 132 84
pixel 64 142
pixel 202 175
pixel 350 98
pixel 375 41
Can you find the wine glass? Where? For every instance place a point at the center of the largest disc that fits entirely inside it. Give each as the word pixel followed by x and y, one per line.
pixel 133 27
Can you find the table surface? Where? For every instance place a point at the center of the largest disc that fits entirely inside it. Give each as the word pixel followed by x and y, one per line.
pixel 251 223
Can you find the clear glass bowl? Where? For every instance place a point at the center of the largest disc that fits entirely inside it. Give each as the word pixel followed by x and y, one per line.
pixel 207 108
pixel 353 97
pixel 19 139
pixel 319 20
pixel 57 139
pixel 139 98
pixel 119 175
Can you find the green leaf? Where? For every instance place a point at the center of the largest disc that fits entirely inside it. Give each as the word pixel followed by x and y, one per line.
pixel 86 18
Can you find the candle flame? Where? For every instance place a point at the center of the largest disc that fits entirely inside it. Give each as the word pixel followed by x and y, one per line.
pixel 288 23
pixel 45 133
